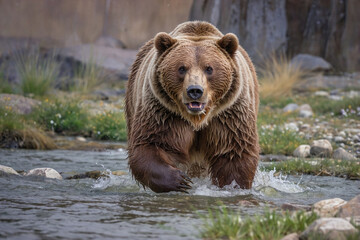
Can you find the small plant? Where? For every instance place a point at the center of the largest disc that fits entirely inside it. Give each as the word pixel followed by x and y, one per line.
pixel 326 167
pixel 109 126
pixel 277 77
pixel 37 73
pixel 275 140
pixel 5 87
pixel 61 116
pixel 224 224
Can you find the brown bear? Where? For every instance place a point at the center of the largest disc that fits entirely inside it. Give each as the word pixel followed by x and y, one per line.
pixel 191 108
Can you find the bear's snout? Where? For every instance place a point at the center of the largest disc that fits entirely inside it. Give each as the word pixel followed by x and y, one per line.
pixel 195 92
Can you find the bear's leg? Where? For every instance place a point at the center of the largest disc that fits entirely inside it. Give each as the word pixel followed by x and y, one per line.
pixel 241 169
pixel 154 168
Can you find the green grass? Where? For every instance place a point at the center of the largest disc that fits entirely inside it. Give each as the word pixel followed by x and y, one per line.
pixel 226 224
pixel 5 86
pixel 347 107
pixel 62 116
pixel 109 126
pixel 326 167
pixel 37 73
pixel 279 141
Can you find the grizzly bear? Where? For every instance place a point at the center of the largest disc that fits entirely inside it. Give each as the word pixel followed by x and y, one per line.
pixel 191 109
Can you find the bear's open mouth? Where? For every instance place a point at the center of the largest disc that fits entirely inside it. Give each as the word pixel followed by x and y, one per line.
pixel 195 106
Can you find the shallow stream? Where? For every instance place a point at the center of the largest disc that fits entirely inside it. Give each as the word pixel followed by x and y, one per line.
pixel 117 208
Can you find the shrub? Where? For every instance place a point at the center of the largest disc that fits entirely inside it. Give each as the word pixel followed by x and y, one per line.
pixel 109 126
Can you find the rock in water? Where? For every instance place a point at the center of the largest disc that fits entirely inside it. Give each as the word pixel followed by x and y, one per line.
pixel 8 170
pixel 302 151
pixel 44 172
pixel 342 154
pixel 328 207
pixel 321 148
pixel 329 228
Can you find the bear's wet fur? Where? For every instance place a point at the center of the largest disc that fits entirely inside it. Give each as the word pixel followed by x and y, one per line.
pixel 191 109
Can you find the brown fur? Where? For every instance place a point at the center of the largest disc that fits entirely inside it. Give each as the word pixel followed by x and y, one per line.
pixel 166 138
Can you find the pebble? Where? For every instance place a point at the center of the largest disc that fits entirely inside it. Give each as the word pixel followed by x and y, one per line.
pixel 342 154
pixel 339 139
pixel 291 107
pixel 321 94
pixel 302 151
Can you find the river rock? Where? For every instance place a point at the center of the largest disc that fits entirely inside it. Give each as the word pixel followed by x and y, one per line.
pixel 18 104
pixel 351 208
pixel 302 151
pixel 328 207
pixel 44 172
pixel 339 139
pixel 321 148
pixel 295 207
pixel 310 63
pixel 329 228
pixel 342 154
pixel 305 111
pixel 8 170
pixel 291 107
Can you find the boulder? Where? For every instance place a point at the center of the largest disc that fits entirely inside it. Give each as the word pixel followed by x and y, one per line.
pixel 351 208
pixel 328 207
pixel 44 172
pixel 18 104
pixel 329 228
pixel 302 151
pixel 342 154
pixel 310 63
pixel 8 170
pixel 321 148
pixel 115 62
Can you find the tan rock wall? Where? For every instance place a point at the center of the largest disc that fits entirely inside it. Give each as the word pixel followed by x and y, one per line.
pixel 72 22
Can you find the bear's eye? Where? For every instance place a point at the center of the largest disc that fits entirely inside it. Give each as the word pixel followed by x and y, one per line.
pixel 182 70
pixel 209 70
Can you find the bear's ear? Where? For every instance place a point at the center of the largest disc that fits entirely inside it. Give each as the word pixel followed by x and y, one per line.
pixel 230 43
pixel 163 41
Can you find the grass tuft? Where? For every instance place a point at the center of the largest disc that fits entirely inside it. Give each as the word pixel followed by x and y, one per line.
pixel 37 73
pixel 224 224
pixel 277 77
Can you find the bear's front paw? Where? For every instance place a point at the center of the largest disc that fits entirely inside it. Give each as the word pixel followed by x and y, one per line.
pixel 170 179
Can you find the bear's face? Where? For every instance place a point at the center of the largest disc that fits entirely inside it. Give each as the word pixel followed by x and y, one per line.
pixel 196 75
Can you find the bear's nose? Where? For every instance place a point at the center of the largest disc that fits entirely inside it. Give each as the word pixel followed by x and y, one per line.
pixel 195 92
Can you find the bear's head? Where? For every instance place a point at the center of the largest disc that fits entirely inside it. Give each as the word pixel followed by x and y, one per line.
pixel 195 75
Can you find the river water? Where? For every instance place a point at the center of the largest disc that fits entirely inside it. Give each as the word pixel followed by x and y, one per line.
pixel 117 208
